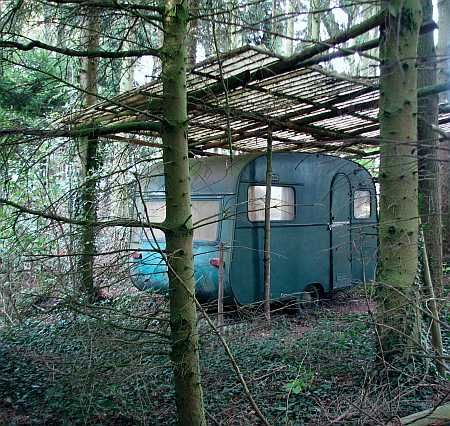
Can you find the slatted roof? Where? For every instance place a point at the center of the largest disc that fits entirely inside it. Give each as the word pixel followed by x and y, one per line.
pixel 306 107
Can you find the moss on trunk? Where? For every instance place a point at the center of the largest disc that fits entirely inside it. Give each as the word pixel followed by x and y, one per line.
pixel 183 316
pixel 398 257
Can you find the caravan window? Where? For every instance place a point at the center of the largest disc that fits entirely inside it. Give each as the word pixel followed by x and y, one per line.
pixel 203 212
pixel 156 211
pixel 361 204
pixel 282 201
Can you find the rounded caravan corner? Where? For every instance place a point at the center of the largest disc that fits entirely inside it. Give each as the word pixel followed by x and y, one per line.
pixel 302 248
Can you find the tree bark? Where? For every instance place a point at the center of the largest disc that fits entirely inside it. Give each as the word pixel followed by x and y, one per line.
pixel 314 22
pixel 276 27
pixel 429 191
pixel 290 32
pixel 89 160
pixel 397 321
pixel 443 46
pixel 443 52
pixel 179 233
pixel 194 6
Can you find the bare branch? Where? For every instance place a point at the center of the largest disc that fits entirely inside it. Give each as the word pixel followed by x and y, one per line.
pixel 131 223
pixel 108 4
pixel 36 44
pixel 86 131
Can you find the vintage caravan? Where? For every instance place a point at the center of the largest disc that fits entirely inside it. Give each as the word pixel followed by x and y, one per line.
pixel 323 226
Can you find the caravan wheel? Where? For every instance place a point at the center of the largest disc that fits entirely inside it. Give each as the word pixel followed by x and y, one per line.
pixel 311 296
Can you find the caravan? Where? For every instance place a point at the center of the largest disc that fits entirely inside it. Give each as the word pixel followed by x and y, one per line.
pixel 323 226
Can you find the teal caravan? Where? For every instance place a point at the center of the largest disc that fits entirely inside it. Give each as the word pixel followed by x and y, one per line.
pixel 323 226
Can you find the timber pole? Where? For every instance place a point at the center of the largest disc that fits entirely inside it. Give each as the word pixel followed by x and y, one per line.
pixel 220 318
pixel 267 229
pixel 432 307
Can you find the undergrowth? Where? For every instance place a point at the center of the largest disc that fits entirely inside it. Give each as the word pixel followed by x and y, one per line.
pixel 109 365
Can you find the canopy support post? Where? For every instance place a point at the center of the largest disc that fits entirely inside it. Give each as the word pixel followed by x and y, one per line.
pixel 267 226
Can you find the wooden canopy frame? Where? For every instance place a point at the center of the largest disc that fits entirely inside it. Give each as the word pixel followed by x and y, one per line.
pixel 236 99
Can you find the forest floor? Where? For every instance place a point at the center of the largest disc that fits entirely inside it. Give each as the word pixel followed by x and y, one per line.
pixel 108 365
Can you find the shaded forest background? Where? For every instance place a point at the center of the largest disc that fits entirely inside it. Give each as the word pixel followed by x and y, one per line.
pixel 80 345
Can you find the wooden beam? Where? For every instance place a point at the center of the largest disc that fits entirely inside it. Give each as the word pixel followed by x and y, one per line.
pixel 280 123
pixel 245 77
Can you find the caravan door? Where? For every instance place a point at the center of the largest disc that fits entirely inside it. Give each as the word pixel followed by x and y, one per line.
pixel 341 265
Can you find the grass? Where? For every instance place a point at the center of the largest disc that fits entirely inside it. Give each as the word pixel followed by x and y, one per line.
pixel 109 365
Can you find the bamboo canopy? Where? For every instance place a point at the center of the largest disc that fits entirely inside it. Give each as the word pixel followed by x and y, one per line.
pixel 234 98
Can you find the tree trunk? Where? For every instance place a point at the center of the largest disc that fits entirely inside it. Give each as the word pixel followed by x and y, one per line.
pixel 193 33
pixel 291 7
pixel 314 21
pixel 89 160
pixel 267 227
pixel 183 316
pixel 443 46
pixel 276 27
pixel 429 191
pixel 397 323
pixel 443 52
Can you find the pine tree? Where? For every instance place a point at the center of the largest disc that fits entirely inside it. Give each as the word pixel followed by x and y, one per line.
pixel 443 56
pixel 89 158
pixel 398 257
pixel 429 191
pixel 179 234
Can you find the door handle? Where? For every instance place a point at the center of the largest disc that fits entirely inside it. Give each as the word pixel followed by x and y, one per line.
pixel 337 224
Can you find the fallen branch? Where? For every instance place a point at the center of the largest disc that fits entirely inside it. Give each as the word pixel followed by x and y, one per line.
pixel 437 416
